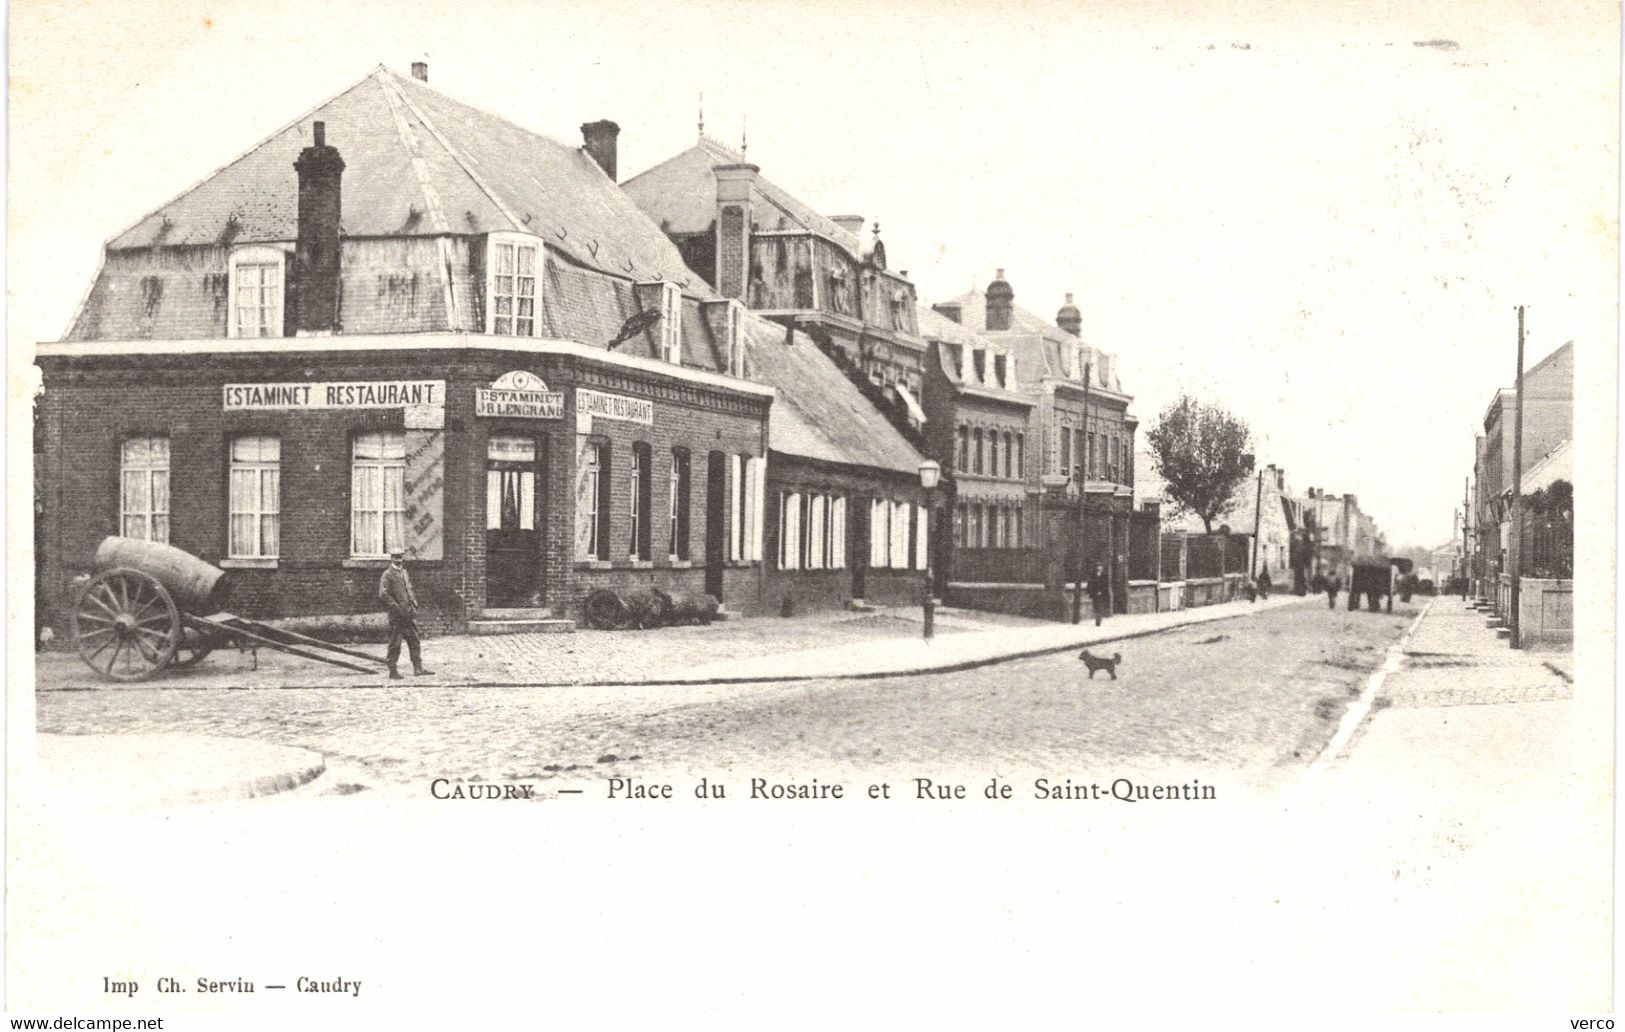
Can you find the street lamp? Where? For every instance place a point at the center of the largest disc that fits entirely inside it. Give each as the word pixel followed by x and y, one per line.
pixel 930 475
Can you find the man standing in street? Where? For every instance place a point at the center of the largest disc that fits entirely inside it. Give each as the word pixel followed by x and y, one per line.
pixel 1099 588
pixel 1334 584
pixel 395 592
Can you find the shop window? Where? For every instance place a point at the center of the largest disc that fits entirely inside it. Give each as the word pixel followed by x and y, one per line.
pixel 637 502
pixel 680 473
pixel 961 517
pixel 377 494
pixel 256 275
pixel 255 498
pixel 512 287
pixel 144 489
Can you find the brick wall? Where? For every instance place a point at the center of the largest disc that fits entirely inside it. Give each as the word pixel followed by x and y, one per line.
pixel 824 589
pixel 91 405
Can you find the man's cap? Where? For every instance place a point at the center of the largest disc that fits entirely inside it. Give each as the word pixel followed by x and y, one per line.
pixel 397 553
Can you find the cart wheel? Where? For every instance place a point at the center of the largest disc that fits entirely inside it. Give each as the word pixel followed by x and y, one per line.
pixel 193 647
pixel 125 625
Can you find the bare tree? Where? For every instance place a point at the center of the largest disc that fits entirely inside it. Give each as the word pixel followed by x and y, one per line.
pixel 1203 453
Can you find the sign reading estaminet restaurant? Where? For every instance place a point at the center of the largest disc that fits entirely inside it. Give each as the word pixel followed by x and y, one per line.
pixel 353 394
pixel 614 406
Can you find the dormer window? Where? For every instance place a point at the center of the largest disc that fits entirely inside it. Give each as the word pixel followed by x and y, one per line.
pixel 666 299
pixel 512 288
pixel 256 280
pixel 1000 365
pixel 671 323
pixel 979 364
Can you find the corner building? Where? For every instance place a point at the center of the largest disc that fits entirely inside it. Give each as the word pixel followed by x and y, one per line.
pixel 404 322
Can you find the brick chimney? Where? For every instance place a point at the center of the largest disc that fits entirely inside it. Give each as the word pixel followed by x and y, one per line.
pixel 736 194
pixel 420 71
pixel 950 310
pixel 1069 318
pixel 316 251
pixel 598 140
pixel 851 223
pixel 1000 301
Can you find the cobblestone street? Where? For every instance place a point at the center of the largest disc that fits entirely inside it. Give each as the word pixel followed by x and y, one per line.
pixel 1248 696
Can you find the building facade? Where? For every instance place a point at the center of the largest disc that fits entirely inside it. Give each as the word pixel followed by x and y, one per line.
pixel 1077 455
pixel 405 323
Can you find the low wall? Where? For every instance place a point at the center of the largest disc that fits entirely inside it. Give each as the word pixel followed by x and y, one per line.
pixel 1171 596
pixel 1017 599
pixel 1545 612
pixel 1142 596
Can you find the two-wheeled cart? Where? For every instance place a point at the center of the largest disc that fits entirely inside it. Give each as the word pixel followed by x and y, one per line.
pixel 139 614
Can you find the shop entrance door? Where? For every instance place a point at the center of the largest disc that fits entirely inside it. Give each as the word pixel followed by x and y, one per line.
pixel 513 507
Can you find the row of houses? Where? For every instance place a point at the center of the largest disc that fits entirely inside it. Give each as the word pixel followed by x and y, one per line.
pixel 1540 554
pixel 402 322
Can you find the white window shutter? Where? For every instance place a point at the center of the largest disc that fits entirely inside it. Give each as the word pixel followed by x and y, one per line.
pixel 759 480
pixel 838 529
pixel 736 469
pixel 792 532
pixel 922 528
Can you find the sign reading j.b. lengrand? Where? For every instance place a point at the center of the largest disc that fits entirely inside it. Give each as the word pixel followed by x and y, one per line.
pixel 519 395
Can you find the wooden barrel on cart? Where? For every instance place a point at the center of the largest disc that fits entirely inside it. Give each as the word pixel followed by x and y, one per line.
pixel 196 586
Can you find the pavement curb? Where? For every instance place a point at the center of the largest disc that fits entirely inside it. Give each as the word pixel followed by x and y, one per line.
pixel 77 771
pixel 1360 708
pixel 948 667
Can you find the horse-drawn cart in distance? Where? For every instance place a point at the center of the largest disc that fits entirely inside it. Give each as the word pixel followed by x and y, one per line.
pixel 140 614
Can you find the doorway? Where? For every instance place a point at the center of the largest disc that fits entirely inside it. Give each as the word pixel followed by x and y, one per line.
pixel 716 521
pixel 513 516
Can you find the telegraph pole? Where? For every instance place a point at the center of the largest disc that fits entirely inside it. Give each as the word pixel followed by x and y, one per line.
pixel 1083 490
pixel 1517 490
pixel 1466 545
pixel 1258 515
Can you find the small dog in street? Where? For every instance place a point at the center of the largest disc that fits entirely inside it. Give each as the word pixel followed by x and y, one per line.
pixel 1095 663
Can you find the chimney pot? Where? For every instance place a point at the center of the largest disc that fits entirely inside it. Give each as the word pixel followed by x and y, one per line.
pixel 420 71
pixel 319 131
pixel 1000 301
pixel 599 140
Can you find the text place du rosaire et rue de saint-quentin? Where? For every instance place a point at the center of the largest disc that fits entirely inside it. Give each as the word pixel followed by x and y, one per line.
pixel 1121 789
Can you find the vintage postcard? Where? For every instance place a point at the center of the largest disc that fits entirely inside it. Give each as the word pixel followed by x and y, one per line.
pixel 797 512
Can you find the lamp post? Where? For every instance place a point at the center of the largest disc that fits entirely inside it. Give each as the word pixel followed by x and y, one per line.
pixel 930 474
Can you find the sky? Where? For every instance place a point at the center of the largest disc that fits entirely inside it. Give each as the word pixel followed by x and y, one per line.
pixel 1321 216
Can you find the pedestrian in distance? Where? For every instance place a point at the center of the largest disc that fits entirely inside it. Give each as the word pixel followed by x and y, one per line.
pixel 1264 583
pixel 1334 584
pixel 1099 588
pixel 395 592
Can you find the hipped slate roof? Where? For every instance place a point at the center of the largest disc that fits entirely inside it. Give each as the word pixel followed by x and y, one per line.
pixel 681 194
pixel 819 414
pixel 1039 345
pixel 418 163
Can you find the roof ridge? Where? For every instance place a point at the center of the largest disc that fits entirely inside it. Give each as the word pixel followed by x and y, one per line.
pixel 239 158
pixel 390 82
